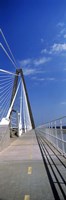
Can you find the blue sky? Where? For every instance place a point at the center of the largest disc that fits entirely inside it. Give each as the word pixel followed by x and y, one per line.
pixel 36 33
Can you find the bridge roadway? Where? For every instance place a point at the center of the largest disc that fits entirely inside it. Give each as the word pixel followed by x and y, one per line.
pixel 27 174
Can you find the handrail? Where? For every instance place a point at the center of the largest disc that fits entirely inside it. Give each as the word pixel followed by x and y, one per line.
pixel 54 120
pixel 55 133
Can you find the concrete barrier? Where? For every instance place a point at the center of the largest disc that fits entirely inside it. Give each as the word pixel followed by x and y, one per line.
pixel 4 136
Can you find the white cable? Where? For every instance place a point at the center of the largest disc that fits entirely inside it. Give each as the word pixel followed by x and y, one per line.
pixel 1 76
pixel 26 110
pixel 13 117
pixel 13 123
pixel 4 71
pixel 4 106
pixel 8 47
pixel 4 89
pixel 6 76
pixel 5 101
pixel 8 97
pixel 6 109
pixel 4 93
pixel 7 54
pixel 9 111
pixel 9 78
pixel 5 79
pixel 7 94
pixel 5 85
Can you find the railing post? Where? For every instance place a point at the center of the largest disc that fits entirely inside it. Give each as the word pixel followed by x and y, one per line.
pixel 56 135
pixel 47 132
pixel 55 125
pixel 62 136
pixel 51 132
pixel 49 125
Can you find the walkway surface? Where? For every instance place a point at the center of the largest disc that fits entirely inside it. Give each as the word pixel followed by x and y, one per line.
pixel 22 172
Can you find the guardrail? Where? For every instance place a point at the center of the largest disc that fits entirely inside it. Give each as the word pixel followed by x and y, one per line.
pixel 55 132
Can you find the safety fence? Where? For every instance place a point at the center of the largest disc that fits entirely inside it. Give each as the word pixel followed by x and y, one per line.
pixel 55 132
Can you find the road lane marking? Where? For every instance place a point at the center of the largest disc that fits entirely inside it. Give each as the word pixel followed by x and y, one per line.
pixel 29 170
pixel 27 197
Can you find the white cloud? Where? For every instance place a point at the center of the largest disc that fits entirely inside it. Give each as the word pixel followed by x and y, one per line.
pixel 63 103
pixel 40 71
pixel 32 71
pixel 42 40
pixel 55 48
pixel 44 51
pixel 25 62
pixel 43 79
pixel 61 24
pixel 38 79
pixel 51 79
pixel 64 80
pixel 65 36
pixel 34 78
pixel 28 71
pixel 62 31
pixel 58 47
pixel 32 66
pixel 33 62
pixel 41 61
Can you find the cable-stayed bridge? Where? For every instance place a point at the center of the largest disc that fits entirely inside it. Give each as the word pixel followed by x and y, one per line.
pixel 13 89
pixel 11 86
pixel 33 166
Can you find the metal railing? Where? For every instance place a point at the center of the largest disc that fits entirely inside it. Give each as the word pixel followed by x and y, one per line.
pixel 55 132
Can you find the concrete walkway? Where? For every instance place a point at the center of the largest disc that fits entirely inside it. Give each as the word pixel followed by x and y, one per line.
pixel 22 172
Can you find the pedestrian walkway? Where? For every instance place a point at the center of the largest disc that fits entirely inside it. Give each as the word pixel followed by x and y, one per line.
pixel 22 172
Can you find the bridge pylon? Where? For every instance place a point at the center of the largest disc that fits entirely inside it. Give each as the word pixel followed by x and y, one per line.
pixel 25 117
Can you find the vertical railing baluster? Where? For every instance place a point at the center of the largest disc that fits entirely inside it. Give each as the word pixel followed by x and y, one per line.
pixel 62 136
pixel 56 135
pixel 51 132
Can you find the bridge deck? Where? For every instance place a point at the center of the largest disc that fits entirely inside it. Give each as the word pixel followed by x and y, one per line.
pixel 24 174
